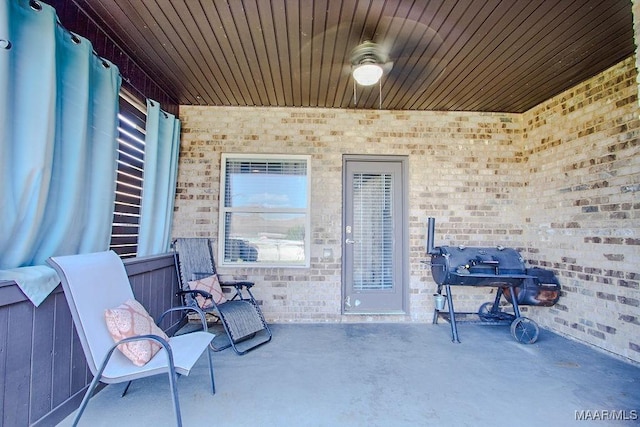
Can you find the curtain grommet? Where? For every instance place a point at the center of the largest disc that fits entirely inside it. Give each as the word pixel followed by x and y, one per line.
pixel 35 5
pixel 5 44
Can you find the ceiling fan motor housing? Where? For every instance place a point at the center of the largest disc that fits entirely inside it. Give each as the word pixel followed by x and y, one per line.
pixel 368 53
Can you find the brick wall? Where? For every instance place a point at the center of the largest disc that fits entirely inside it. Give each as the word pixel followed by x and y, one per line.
pixel 476 173
pixel 582 180
pixel 635 9
pixel 461 170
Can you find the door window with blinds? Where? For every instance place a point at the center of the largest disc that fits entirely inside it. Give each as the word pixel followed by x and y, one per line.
pixel 373 218
pixel 264 212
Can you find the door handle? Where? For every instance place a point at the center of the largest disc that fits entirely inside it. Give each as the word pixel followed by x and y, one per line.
pixel 349 241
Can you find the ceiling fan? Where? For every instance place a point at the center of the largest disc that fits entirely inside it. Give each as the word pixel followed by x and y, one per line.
pixel 400 48
pixel 369 62
pixel 370 47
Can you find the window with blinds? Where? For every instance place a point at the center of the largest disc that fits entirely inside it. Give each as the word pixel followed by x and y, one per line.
pixel 131 137
pixel 373 228
pixel 264 212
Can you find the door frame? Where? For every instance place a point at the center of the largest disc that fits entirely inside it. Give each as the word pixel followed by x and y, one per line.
pixel 404 240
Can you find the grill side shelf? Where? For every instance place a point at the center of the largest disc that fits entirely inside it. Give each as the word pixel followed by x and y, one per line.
pixel 479 279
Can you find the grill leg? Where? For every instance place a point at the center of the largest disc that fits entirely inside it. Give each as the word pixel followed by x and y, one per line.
pixel 435 310
pixel 496 302
pixel 452 315
pixel 514 301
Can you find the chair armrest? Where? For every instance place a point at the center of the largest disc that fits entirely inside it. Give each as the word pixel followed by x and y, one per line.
pixel 238 285
pixel 163 343
pixel 195 292
pixel 235 283
pixel 203 317
pixel 157 338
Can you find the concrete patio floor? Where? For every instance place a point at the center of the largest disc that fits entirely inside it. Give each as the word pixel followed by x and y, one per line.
pixel 388 375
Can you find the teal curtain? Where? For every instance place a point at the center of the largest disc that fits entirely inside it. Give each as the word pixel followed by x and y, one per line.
pixel 58 124
pixel 162 145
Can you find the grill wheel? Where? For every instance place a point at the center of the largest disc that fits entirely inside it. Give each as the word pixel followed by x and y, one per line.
pixel 525 330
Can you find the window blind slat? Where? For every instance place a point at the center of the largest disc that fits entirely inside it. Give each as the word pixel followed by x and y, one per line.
pixel 129 179
pixel 373 228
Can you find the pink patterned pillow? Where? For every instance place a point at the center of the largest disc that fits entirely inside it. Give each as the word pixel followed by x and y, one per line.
pixel 131 319
pixel 211 285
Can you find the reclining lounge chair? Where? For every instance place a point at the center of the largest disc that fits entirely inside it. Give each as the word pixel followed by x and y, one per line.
pixel 240 315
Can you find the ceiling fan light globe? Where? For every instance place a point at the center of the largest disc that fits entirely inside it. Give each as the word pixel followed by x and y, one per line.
pixel 367 74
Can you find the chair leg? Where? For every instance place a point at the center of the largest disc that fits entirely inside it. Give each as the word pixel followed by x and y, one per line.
pixel 126 389
pixel 87 396
pixel 92 386
pixel 239 352
pixel 174 392
pixel 173 378
pixel 213 384
pixel 217 349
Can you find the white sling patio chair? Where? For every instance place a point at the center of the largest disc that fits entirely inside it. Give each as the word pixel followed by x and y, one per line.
pixel 97 282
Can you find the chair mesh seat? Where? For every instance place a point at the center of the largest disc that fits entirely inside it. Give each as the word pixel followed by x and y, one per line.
pixel 242 318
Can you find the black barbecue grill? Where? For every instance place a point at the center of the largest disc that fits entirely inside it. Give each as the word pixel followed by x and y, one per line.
pixel 498 267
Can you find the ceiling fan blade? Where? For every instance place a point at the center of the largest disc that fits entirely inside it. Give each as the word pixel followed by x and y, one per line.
pixel 332 48
pixel 411 81
pixel 400 36
pixel 413 68
pixel 386 67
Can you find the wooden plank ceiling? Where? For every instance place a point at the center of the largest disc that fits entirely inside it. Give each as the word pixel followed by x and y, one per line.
pixel 465 55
